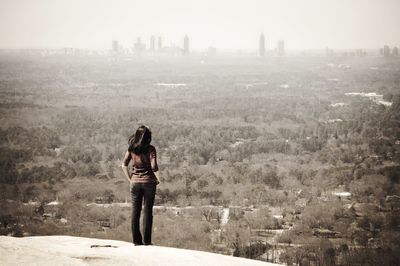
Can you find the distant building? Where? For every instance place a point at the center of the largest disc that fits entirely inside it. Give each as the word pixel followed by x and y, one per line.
pixel 69 51
pixel 360 52
pixel 152 43
pixel 104 224
pixel 186 45
pixel 321 232
pixel 139 47
pixel 386 51
pixel 281 48
pixel 261 45
pixel 395 51
pixel 212 51
pixel 173 49
pixel 115 46
pixel 328 51
pixel 159 43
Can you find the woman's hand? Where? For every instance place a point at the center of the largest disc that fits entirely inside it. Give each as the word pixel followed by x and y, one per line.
pixel 126 172
pixel 157 175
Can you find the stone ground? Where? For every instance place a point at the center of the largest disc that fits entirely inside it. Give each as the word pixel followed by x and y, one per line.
pixel 68 250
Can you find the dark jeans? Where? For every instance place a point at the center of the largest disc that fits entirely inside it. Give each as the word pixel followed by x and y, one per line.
pixel 142 193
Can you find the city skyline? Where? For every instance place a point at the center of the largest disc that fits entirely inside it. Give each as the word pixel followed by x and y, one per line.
pixel 308 24
pixel 263 49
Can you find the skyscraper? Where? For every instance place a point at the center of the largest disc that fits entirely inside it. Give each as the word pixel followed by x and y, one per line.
pixel 186 45
pixel 152 43
pixel 159 43
pixel 386 51
pixel 139 46
pixel 281 48
pixel 115 46
pixel 261 45
pixel 395 51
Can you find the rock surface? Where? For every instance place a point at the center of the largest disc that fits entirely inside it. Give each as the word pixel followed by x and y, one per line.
pixel 68 250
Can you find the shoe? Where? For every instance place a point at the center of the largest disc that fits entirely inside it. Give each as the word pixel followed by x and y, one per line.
pixel 138 244
pixel 149 244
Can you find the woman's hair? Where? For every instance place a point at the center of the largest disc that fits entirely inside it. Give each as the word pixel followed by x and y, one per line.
pixel 140 141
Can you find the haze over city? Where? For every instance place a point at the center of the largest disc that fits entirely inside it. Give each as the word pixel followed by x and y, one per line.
pixel 225 24
pixel 259 132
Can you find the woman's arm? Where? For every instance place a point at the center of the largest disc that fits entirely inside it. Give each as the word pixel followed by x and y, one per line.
pixel 154 165
pixel 157 174
pixel 153 160
pixel 125 163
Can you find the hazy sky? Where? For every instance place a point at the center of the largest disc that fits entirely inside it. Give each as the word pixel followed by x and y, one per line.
pixel 231 24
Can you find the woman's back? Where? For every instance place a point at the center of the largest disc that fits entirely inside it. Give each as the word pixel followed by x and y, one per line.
pixel 144 165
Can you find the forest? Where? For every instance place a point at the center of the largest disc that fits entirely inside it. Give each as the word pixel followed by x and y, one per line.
pixel 277 139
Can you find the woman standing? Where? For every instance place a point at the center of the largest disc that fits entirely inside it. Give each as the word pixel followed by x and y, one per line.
pixel 143 181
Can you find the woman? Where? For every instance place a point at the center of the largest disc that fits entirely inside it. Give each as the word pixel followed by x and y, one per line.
pixel 143 181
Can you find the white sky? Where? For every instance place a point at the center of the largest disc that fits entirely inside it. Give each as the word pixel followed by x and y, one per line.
pixel 231 24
